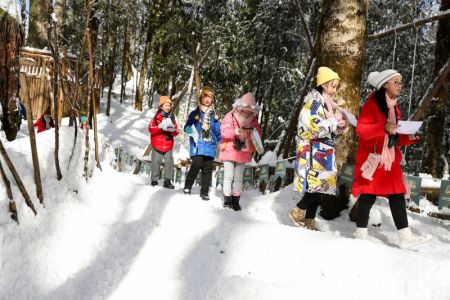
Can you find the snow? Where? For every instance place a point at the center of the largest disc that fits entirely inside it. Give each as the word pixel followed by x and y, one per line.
pixel 429 182
pixel 116 237
pixel 11 7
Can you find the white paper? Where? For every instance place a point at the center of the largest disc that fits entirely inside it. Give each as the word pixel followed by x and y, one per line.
pixel 408 127
pixel 194 134
pixel 349 116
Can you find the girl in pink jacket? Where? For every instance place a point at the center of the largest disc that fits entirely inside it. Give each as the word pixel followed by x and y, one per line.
pixel 236 148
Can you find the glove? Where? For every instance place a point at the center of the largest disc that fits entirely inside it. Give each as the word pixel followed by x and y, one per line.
pixel 188 129
pixel 160 126
pixel 333 123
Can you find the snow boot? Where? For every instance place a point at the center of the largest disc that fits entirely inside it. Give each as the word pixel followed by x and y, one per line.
pixel 311 224
pixel 361 233
pixel 407 239
pixel 154 183
pixel 204 196
pixel 235 203
pixel 168 184
pixel 297 216
pixel 227 203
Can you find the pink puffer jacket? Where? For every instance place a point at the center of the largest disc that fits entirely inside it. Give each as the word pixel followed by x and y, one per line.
pixel 228 132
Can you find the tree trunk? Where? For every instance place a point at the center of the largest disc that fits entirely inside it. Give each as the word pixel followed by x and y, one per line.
pixel 340 46
pixel 10 43
pixel 144 70
pixel 434 146
pixel 54 47
pixel 124 63
pixel 34 153
pixel 12 204
pixel 112 59
pixel 334 51
pixel 37 32
pixel 16 176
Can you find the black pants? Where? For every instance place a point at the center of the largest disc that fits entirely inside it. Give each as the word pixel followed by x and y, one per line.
pixel 310 203
pixel 397 204
pixel 204 163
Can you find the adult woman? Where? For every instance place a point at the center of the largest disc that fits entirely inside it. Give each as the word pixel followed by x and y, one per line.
pixel 377 169
pixel 315 169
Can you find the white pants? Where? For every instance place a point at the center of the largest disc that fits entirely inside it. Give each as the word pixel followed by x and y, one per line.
pixel 232 178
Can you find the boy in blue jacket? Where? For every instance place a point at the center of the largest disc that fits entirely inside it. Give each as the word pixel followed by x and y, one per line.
pixel 204 121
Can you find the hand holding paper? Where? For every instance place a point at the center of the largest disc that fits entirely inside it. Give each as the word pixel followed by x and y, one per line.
pixel 349 116
pixel 409 127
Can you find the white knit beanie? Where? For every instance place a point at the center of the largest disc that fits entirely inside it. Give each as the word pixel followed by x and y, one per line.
pixel 377 79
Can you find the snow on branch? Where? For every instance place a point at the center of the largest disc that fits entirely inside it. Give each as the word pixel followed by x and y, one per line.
pixel 414 23
pixel 431 91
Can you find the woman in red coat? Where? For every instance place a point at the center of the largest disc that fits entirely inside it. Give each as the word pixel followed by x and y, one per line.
pixel 380 174
pixel 44 122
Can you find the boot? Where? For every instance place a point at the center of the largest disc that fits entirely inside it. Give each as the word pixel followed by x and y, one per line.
pixel 186 191
pixel 361 233
pixel 154 183
pixel 297 216
pixel 168 184
pixel 311 224
pixel 235 202
pixel 407 239
pixel 227 201
pixel 205 197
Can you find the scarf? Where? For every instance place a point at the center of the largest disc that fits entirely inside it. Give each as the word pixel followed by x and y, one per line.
pixel 243 120
pixel 331 106
pixel 166 115
pixel 206 122
pixel 388 154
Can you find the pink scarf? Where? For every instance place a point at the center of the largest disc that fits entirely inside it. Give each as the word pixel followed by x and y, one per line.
pixel 388 154
pixel 243 121
pixel 331 107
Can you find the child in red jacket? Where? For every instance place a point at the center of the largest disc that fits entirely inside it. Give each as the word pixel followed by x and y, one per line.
pixel 44 122
pixel 163 128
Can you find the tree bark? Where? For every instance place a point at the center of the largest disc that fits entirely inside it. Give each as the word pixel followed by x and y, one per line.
pixel 112 59
pixel 341 47
pixel 434 147
pixel 37 32
pixel 16 176
pixel 32 134
pixel 123 78
pixel 54 47
pixel 10 43
pixel 12 204
pixel 144 70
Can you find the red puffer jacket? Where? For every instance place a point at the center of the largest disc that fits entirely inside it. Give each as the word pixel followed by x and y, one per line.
pixel 370 131
pixel 161 140
pixel 40 124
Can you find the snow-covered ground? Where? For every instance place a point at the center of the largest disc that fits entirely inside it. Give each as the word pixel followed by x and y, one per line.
pixel 116 237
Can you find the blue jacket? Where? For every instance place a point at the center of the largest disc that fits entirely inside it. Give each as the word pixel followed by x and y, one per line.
pixel 203 148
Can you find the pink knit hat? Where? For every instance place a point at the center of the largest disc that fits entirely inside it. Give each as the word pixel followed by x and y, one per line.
pixel 247 102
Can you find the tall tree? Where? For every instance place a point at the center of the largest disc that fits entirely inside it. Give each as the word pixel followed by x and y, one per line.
pixel 341 47
pixel 37 32
pixel 10 42
pixel 434 159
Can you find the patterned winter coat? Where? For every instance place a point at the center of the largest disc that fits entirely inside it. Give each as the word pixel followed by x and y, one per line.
pixel 315 171
pixel 203 147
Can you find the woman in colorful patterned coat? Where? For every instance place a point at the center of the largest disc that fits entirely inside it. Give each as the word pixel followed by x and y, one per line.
pixel 315 166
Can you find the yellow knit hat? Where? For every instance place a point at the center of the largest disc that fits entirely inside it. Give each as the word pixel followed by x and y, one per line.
pixel 325 74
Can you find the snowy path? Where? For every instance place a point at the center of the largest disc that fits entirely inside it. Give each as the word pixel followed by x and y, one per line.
pixel 118 238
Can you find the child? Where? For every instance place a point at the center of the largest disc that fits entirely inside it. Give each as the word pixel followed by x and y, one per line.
pixel 44 122
pixel 206 123
pixel 163 128
pixel 315 167
pixel 237 148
